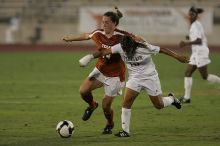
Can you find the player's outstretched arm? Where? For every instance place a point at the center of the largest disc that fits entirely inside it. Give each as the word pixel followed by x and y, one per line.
pixel 175 55
pixel 82 37
pixel 198 41
pixel 138 38
pixel 84 61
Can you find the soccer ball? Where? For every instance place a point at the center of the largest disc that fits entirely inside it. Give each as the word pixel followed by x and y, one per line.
pixel 65 128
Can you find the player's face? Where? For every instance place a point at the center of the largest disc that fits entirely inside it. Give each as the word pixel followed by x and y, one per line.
pixel 192 16
pixel 108 25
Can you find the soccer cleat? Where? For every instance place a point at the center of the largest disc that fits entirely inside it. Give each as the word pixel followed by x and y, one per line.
pixel 122 134
pixel 108 129
pixel 176 101
pixel 183 100
pixel 88 112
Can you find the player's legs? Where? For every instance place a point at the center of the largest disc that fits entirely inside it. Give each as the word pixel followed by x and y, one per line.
pixel 112 86
pixel 190 70
pixel 161 102
pixel 153 87
pixel 209 77
pixel 203 72
pixel 85 90
pixel 188 82
pixel 109 113
pixel 129 97
pixel 158 101
pixel 132 90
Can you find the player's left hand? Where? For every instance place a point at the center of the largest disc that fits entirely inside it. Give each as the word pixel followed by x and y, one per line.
pixel 183 59
pixel 85 60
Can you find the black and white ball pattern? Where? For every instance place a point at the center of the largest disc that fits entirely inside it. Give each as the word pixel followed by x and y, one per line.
pixel 65 128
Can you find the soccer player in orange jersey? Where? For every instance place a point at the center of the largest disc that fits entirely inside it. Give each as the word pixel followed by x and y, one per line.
pixel 109 71
pixel 142 75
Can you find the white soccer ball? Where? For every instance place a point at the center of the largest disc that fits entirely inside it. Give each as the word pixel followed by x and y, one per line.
pixel 65 128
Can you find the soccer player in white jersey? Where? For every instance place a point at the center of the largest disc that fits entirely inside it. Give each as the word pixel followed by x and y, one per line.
pixel 200 54
pixel 142 75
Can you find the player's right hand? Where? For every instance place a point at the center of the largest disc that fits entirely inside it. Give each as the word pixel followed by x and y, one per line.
pixel 66 39
pixel 182 44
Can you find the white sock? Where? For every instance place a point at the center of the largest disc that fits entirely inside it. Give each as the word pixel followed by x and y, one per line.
pixel 187 87
pixel 167 101
pixel 213 79
pixel 125 119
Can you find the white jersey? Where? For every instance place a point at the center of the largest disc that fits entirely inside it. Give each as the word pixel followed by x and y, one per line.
pixel 197 31
pixel 200 53
pixel 141 64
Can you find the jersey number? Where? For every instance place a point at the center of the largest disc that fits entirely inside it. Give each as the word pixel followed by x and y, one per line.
pixel 134 64
pixel 107 56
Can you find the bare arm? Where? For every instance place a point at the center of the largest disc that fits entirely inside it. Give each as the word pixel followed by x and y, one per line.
pixel 138 38
pixel 102 52
pixel 81 37
pixel 198 41
pixel 173 54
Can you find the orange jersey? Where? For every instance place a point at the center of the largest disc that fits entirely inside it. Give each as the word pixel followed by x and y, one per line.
pixel 110 65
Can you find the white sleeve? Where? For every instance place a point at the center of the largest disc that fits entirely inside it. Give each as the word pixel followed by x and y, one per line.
pixel 153 49
pixel 116 49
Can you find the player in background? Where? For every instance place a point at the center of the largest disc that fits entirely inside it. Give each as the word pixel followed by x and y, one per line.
pixel 200 54
pixel 109 71
pixel 142 75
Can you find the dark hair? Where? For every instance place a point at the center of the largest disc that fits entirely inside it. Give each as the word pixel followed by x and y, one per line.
pixel 129 45
pixel 196 10
pixel 114 16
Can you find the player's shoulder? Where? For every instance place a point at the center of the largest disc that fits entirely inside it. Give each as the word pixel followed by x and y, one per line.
pixel 196 24
pixel 97 31
pixel 121 32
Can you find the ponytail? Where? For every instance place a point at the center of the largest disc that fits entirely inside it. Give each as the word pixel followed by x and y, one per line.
pixel 119 13
pixel 200 10
pixel 196 10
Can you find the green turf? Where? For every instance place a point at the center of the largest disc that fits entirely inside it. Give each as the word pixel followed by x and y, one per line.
pixel 37 90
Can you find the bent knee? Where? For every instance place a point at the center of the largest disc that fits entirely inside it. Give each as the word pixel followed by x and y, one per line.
pixel 83 92
pixel 188 74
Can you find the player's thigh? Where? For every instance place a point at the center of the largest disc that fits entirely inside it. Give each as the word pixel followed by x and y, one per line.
pixel 190 69
pixel 129 97
pixel 90 84
pixel 203 71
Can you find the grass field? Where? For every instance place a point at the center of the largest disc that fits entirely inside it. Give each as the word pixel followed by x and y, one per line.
pixel 37 90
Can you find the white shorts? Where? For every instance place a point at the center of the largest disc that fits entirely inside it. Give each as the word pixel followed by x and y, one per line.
pixel 151 86
pixel 112 85
pixel 200 59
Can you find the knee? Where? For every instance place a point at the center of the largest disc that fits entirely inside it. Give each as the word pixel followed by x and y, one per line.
pixel 187 74
pixel 127 104
pixel 82 91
